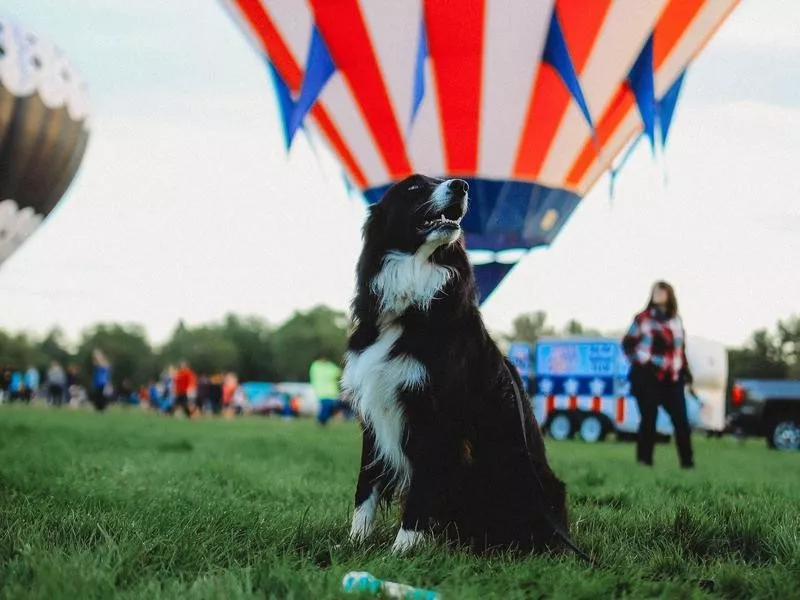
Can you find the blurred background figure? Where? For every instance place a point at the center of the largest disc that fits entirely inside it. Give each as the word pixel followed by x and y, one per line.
pixel 324 376
pixel 239 400
pixel 655 345
pixel 72 388
pixel 215 393
pixel 32 381
pixel 101 380
pixel 4 380
pixel 144 397
pixel 16 386
pixel 168 386
pixel 159 396
pixel 230 384
pixel 128 393
pixel 153 395
pixel 203 402
pixel 185 386
pixel 56 384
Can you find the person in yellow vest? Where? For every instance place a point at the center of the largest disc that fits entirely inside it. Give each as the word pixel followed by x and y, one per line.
pixel 324 376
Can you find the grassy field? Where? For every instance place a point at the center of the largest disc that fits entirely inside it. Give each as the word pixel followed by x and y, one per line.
pixel 139 506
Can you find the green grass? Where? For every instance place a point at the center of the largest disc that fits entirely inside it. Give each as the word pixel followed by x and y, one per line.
pixel 138 506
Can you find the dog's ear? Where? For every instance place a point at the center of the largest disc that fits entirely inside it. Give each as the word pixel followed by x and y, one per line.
pixel 375 216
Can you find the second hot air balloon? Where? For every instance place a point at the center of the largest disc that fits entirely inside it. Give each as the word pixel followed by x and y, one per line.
pixel 43 131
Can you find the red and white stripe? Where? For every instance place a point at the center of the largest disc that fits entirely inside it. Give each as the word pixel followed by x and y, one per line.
pixel 491 108
pixel 680 34
pixel 624 29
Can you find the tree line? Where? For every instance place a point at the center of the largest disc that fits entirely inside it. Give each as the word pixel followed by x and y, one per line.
pixel 248 346
pixel 259 351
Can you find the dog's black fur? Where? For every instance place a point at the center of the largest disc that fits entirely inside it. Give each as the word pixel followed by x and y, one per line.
pixel 473 476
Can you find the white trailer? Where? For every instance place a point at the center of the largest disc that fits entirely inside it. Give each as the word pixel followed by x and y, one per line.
pixel 579 386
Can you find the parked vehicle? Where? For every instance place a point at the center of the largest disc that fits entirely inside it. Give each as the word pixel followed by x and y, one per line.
pixel 579 386
pixel 263 398
pixel 306 401
pixel 768 408
pixel 286 398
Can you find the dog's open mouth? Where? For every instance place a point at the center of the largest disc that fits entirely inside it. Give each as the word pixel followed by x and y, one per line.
pixel 450 218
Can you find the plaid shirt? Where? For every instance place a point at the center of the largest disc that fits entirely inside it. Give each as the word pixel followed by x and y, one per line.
pixel 660 342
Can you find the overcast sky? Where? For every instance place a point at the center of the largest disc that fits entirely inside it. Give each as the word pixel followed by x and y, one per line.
pixel 186 205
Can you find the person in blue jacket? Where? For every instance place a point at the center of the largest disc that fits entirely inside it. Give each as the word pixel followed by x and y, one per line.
pixel 32 382
pixel 16 386
pixel 101 380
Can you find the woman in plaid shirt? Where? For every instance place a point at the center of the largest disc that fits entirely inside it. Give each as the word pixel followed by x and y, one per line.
pixel 656 347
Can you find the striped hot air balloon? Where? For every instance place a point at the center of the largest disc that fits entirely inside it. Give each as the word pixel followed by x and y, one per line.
pixel 528 100
pixel 43 131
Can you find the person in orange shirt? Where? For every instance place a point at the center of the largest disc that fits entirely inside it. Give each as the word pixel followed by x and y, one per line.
pixel 229 385
pixel 185 386
pixel 144 397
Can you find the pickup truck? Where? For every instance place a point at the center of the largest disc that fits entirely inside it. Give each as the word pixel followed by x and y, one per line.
pixel 768 408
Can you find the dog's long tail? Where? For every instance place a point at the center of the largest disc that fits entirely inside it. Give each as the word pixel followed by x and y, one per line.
pixel 546 513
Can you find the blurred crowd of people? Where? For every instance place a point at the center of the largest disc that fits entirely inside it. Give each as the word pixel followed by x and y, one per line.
pixel 59 386
pixel 179 390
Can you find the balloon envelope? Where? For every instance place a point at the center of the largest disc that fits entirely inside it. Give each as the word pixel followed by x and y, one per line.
pixel 43 131
pixel 529 100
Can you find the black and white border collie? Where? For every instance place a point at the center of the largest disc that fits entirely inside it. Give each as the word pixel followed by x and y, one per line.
pixel 446 425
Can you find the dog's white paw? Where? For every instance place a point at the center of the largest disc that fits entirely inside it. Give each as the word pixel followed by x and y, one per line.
pixel 364 519
pixel 406 540
pixel 360 529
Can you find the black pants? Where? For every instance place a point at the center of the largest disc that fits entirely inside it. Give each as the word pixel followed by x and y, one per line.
pixel 56 393
pixel 216 402
pixel 99 399
pixel 650 393
pixel 182 402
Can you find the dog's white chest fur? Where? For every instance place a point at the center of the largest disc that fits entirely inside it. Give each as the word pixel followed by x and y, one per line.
pixel 375 378
pixel 407 280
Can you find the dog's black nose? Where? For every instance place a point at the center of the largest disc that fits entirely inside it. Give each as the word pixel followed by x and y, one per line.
pixel 458 186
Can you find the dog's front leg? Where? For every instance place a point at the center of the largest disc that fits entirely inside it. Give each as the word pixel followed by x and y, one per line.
pixel 416 517
pixel 422 494
pixel 368 488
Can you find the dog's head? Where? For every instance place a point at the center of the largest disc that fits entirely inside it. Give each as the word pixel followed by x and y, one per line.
pixel 413 244
pixel 419 213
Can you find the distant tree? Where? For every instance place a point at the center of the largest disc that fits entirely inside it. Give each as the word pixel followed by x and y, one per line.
pixel 574 327
pixel 18 351
pixel 297 342
pixel 206 348
pixel 530 327
pixel 127 348
pixel 54 347
pixel 789 340
pixel 252 337
pixel 761 358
